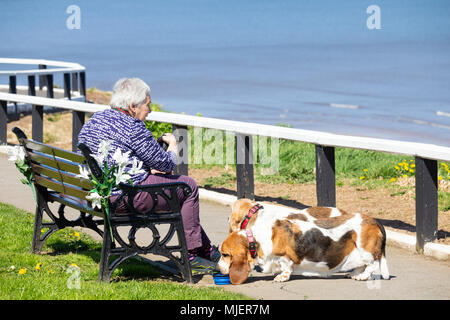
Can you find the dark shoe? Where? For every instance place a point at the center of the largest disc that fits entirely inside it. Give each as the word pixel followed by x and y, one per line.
pixel 215 254
pixel 202 265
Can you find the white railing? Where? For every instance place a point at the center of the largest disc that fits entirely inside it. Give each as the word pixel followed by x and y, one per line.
pixel 63 67
pixel 74 78
pixel 428 151
pixel 426 154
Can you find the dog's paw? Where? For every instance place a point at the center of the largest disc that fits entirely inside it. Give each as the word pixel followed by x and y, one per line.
pixel 361 277
pixel 282 277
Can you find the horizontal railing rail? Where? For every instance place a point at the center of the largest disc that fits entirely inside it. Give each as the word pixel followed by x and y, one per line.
pixel 74 78
pixel 429 151
pixel 426 155
pixel 63 67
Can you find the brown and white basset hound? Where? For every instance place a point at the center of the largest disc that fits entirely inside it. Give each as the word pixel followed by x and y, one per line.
pixel 316 241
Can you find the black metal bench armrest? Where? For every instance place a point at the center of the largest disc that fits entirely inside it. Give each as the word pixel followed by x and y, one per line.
pixel 91 162
pixel 167 191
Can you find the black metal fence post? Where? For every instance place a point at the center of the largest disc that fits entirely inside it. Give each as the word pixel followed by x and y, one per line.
pixel 37 123
pixel 75 81
pixel 426 202
pixel 67 86
pixel 36 113
pixel 244 167
pixel 49 82
pixel 181 133
pixel 12 84
pixel 78 118
pixel 325 176
pixel 13 89
pixel 3 121
pixel 42 79
pixel 31 85
pixel 83 84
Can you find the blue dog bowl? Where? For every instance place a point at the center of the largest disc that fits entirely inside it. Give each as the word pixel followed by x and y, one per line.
pixel 221 279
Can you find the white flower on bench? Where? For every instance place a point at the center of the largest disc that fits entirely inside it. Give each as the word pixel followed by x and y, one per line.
pixel 17 155
pixel 111 177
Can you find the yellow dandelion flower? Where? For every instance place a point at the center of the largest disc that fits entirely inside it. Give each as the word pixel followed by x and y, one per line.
pixel 365 170
pixel 51 271
pixel 405 176
pixel 397 167
pixel 38 266
pixel 411 170
pixel 413 165
pixel 77 235
pixel 392 180
pixel 440 178
pixel 23 271
pixel 74 265
pixel 362 178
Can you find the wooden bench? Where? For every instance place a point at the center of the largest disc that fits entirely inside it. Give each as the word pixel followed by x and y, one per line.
pixel 54 178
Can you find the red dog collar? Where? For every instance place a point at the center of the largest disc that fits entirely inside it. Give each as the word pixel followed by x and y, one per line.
pixel 251 243
pixel 250 213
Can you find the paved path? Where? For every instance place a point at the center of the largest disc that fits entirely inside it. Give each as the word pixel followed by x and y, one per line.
pixel 413 276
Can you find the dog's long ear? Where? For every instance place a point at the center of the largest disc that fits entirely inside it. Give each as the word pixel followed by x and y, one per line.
pixel 239 269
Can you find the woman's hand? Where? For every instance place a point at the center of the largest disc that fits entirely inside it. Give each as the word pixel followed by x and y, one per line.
pixel 154 171
pixel 170 139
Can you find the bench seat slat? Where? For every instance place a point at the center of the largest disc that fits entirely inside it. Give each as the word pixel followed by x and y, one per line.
pixel 50 150
pixel 51 162
pixel 74 203
pixel 59 187
pixel 66 178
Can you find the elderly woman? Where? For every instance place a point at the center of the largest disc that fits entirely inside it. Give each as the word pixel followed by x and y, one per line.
pixel 124 125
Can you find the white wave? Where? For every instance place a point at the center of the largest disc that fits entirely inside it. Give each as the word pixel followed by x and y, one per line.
pixel 344 106
pixel 442 113
pixel 427 123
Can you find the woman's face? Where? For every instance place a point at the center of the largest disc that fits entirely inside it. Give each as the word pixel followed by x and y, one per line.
pixel 141 112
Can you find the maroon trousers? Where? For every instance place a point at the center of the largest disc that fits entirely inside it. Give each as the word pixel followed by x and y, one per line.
pixel 195 235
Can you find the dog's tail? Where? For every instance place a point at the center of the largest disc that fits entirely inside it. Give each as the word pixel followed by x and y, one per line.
pixel 383 263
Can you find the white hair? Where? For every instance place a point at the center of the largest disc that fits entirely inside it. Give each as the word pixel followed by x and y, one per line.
pixel 128 91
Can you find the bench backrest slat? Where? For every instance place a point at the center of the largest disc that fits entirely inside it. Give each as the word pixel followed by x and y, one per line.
pixel 59 164
pixel 54 151
pixel 61 175
pixel 59 187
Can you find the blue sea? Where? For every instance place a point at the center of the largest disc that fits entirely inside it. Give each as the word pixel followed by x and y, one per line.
pixel 311 64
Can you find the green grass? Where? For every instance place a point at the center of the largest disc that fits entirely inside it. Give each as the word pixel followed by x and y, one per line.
pixel 132 280
pixel 226 179
pixel 55 117
pixel 444 201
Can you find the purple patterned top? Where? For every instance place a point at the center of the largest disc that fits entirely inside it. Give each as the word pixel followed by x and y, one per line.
pixel 128 134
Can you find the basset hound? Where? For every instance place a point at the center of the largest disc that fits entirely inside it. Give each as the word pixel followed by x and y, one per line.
pixel 316 241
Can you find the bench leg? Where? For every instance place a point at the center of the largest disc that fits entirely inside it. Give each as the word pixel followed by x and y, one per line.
pixel 39 238
pixel 37 242
pixel 104 272
pixel 185 268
